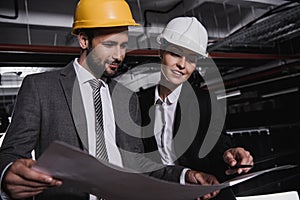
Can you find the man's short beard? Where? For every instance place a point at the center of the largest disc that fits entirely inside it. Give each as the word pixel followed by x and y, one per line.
pixel 97 69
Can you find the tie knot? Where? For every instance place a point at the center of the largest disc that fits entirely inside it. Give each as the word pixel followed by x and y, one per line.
pixel 95 84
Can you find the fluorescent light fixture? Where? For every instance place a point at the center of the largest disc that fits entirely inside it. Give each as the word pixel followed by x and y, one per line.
pixel 287 91
pixel 259 130
pixel 230 94
pixel 10 86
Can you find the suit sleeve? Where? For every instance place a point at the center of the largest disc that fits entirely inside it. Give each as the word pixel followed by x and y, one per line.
pixel 23 132
pixel 209 125
pixel 217 164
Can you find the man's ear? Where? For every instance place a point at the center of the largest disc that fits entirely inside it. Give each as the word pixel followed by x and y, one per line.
pixel 83 40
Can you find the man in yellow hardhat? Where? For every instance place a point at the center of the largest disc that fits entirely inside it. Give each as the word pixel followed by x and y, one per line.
pixel 60 105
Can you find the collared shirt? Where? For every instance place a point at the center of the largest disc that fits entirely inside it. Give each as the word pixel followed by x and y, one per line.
pixel 164 123
pixel 164 127
pixel 86 90
pixel 83 77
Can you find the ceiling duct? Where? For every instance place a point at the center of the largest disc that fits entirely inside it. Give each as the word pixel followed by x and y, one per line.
pixel 284 24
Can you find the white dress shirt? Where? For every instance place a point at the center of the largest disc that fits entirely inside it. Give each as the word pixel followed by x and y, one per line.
pixel 83 77
pixel 86 90
pixel 164 125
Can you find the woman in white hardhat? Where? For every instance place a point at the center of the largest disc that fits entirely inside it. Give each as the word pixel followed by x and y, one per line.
pixel 183 111
pixel 184 40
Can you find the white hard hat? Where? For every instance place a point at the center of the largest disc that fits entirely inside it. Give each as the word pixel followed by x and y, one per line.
pixel 186 32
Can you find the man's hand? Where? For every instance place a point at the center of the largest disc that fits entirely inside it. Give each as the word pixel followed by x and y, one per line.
pixel 20 181
pixel 237 156
pixel 202 178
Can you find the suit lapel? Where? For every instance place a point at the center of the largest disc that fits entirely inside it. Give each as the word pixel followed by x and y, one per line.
pixel 187 119
pixel 148 116
pixel 72 93
pixel 115 105
pixel 177 120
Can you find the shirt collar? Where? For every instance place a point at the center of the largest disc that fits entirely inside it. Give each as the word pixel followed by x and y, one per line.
pixel 171 98
pixel 84 75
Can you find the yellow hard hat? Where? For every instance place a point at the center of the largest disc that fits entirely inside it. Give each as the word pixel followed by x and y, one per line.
pixel 102 13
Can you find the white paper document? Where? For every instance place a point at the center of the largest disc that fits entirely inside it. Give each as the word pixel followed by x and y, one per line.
pixel 292 195
pixel 84 172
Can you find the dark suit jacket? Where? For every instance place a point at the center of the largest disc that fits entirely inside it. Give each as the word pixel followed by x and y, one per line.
pixel 189 124
pixel 192 101
pixel 49 108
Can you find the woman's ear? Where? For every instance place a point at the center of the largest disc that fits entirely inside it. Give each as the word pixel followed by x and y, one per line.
pixel 83 40
pixel 161 54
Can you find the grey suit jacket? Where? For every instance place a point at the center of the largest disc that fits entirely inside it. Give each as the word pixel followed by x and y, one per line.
pixel 49 108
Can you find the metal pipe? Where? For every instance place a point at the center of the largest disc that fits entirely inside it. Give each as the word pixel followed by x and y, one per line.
pixel 139 52
pixel 251 56
pixel 37 48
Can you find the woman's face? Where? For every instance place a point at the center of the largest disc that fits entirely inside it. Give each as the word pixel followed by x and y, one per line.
pixel 178 64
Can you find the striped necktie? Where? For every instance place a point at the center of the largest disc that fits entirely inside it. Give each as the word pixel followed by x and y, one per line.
pixel 101 152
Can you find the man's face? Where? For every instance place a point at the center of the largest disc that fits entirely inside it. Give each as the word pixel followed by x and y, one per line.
pixel 107 51
pixel 178 64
